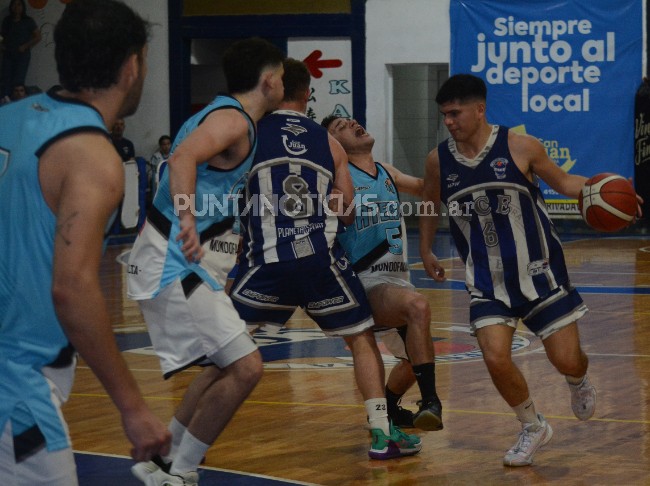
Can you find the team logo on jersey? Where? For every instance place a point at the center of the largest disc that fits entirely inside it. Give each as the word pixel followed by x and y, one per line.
pixel 343 263
pixel 293 147
pixel 39 107
pixel 389 186
pixel 452 180
pixel 499 165
pixel 538 267
pixel 293 128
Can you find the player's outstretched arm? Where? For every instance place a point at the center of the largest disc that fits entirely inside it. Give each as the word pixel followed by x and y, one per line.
pixel 531 158
pixel 428 218
pixel 83 179
pixel 405 182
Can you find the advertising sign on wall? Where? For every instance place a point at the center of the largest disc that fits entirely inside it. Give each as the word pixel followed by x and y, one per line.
pixel 563 71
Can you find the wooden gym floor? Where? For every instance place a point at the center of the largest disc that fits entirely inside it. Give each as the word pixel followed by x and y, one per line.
pixel 304 423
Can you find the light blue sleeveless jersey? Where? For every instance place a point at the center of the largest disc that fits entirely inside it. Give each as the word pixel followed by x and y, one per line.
pixel 216 196
pixel 31 336
pixel 377 227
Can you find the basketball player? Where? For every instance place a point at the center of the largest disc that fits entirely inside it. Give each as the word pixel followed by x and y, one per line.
pixel 376 245
pixel 514 263
pixel 190 319
pixel 60 181
pixel 290 256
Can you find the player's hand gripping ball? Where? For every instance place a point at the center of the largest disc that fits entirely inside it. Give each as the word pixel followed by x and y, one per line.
pixel 608 202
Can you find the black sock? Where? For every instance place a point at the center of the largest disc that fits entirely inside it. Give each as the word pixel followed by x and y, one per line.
pixel 392 399
pixel 425 374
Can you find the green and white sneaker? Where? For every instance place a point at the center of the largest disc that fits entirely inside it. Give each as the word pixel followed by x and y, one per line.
pixel 398 444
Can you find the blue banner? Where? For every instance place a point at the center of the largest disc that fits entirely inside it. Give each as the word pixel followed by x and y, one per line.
pixel 563 71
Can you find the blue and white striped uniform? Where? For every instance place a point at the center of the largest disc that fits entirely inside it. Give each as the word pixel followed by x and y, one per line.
pixel 156 259
pixel 500 225
pixel 285 218
pixel 291 257
pixel 375 242
pixel 36 359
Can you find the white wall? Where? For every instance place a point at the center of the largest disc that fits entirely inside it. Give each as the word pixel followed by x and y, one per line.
pixel 404 32
pixel 152 119
pixel 397 32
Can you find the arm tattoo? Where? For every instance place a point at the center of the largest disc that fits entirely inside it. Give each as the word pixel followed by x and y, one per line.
pixel 63 227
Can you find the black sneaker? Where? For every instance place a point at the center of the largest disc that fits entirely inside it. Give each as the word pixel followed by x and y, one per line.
pixel 429 417
pixel 402 417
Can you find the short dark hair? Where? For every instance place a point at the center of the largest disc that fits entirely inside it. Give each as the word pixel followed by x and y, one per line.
pixel 244 60
pixel 462 87
pixel 296 79
pixel 92 40
pixel 329 119
pixel 164 137
pixel 22 2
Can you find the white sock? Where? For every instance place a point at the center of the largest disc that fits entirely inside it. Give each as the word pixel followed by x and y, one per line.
pixel 526 413
pixel 189 454
pixel 572 380
pixel 377 411
pixel 177 430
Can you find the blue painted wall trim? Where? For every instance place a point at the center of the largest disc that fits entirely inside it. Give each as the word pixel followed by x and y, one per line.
pixel 277 29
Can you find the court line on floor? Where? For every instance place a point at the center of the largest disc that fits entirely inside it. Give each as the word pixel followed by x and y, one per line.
pixel 361 406
pixel 209 468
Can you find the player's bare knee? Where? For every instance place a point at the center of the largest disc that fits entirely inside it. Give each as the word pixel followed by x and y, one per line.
pixel 572 364
pixel 419 312
pixel 240 357
pixel 497 362
pixel 248 369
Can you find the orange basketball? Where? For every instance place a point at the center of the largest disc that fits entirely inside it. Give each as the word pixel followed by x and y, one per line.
pixel 608 202
pixel 37 4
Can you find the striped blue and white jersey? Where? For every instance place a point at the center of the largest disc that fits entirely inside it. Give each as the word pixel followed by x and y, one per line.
pixel 500 224
pixel 156 259
pixel 32 341
pixel 377 229
pixel 285 216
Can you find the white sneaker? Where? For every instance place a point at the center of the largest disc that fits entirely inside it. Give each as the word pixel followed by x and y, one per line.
pixel 142 470
pixel 583 399
pixel 161 478
pixel 530 439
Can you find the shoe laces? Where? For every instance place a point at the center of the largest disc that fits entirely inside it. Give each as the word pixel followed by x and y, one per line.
pixel 524 441
pixel 584 390
pixel 429 403
pixel 399 436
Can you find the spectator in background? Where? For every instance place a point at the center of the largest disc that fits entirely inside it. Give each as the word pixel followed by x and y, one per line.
pixel 156 165
pixel 17 93
pixel 124 146
pixel 19 34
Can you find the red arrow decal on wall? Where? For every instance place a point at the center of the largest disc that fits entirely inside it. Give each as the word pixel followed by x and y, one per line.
pixel 315 63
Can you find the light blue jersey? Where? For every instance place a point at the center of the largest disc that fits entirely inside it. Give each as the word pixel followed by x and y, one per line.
pixel 156 259
pixel 31 337
pixel 377 232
